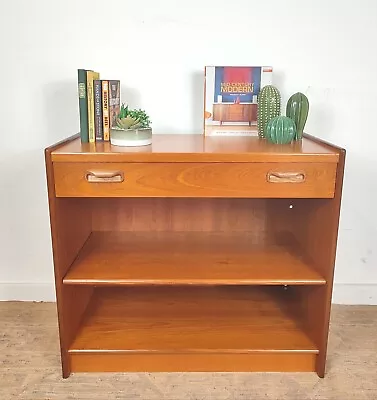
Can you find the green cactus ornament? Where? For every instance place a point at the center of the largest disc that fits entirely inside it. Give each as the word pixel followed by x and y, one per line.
pixel 281 130
pixel 269 103
pixel 298 110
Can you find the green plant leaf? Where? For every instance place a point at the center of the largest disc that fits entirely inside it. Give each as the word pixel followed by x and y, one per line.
pixel 140 117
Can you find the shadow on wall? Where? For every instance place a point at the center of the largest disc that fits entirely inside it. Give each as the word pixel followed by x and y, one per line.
pixel 278 80
pixel 356 259
pixel 25 225
pixel 61 110
pixel 198 101
pixel 130 97
pixel 321 116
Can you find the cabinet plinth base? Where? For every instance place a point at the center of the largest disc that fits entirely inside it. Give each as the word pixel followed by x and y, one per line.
pixel 105 362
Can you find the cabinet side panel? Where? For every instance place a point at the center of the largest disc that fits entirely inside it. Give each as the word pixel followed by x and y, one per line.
pixel 316 223
pixel 70 223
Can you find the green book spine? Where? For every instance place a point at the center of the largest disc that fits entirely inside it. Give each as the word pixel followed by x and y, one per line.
pixel 83 106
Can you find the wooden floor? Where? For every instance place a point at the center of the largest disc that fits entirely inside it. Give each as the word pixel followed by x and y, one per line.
pixel 30 366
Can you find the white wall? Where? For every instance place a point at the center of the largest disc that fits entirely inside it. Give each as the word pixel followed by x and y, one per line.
pixel 322 48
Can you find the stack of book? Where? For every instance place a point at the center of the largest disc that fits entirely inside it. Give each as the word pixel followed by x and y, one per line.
pixel 99 105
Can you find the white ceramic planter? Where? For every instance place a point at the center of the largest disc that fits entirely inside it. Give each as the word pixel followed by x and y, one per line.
pixel 131 137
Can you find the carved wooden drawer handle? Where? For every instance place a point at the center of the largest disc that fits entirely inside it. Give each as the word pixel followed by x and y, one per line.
pixel 104 176
pixel 286 177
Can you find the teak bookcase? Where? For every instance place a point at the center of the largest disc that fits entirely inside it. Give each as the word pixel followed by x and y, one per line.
pixel 196 253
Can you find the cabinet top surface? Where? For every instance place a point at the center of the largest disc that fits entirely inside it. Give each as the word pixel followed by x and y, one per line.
pixel 196 147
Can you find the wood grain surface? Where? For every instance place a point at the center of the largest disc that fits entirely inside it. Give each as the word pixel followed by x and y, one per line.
pixel 230 180
pixel 70 222
pixel 190 320
pixel 198 148
pixel 316 224
pixel 183 214
pixel 192 362
pixel 185 238
pixel 188 258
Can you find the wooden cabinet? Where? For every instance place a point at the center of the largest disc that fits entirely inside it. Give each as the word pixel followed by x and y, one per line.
pixel 233 112
pixel 194 254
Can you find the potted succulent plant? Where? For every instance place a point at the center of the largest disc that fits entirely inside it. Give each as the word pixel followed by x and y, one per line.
pixel 132 128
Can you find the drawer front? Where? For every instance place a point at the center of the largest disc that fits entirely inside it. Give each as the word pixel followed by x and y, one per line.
pixel 282 180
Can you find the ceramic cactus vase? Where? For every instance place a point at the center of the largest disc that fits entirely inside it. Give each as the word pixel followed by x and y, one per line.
pixel 298 110
pixel 269 103
pixel 281 130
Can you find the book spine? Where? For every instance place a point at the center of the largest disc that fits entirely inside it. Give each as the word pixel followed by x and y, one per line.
pixel 90 77
pixel 83 105
pixel 114 101
pixel 98 126
pixel 105 110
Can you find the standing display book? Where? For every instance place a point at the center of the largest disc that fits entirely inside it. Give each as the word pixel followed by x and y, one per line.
pixel 230 98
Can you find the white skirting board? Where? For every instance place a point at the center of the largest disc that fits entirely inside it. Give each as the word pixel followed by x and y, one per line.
pixel 355 293
pixel 343 293
pixel 27 291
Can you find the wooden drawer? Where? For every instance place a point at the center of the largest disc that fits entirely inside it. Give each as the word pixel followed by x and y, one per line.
pixel 281 180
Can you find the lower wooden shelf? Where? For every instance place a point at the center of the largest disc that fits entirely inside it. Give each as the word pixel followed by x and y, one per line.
pixel 219 328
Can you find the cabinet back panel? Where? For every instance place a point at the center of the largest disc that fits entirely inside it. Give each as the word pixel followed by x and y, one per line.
pixel 185 214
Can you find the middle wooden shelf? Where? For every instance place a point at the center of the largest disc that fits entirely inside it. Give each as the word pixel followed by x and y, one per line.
pixel 197 258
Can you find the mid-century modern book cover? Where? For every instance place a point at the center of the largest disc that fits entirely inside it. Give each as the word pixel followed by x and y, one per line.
pixel 230 99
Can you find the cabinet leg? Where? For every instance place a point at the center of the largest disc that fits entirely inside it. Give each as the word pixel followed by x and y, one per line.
pixel 66 367
pixel 321 365
pixel 65 372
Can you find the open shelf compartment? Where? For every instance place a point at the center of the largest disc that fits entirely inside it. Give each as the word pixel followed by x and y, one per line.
pixel 200 258
pixel 127 325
